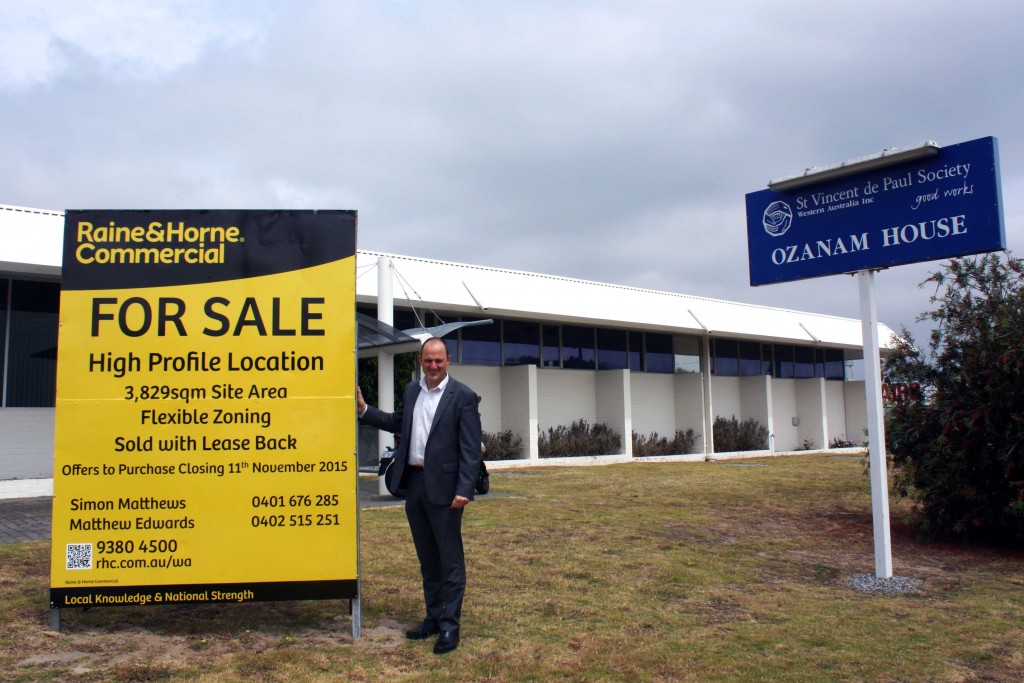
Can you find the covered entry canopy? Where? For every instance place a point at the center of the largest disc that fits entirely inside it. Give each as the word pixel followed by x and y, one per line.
pixel 374 335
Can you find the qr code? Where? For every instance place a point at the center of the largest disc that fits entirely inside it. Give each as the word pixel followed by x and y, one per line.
pixel 79 555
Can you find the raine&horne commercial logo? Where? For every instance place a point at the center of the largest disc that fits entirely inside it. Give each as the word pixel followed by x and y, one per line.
pixel 778 218
pixel 159 242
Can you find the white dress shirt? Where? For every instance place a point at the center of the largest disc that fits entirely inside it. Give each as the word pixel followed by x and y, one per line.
pixel 423 418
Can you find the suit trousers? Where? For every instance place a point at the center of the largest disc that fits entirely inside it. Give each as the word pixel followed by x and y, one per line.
pixel 437 535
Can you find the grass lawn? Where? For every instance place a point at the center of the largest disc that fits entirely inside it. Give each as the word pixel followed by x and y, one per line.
pixel 727 571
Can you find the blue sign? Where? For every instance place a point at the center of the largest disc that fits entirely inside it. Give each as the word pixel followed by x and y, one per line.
pixel 945 206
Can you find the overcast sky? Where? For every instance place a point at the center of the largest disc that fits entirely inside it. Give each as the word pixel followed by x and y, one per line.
pixel 611 141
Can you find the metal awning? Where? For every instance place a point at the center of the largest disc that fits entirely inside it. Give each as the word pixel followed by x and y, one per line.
pixel 424 333
pixel 374 336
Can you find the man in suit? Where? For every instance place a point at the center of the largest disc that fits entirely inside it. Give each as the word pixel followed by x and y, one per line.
pixel 436 463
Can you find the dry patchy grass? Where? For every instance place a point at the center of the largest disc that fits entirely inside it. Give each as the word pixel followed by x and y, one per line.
pixel 733 571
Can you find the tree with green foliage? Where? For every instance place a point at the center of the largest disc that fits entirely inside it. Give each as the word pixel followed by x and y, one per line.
pixel 405 370
pixel 957 451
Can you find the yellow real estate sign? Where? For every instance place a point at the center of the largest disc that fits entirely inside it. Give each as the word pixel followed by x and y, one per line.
pixel 205 431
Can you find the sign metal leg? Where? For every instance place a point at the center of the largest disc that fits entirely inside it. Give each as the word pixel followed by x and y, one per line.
pixel 356 608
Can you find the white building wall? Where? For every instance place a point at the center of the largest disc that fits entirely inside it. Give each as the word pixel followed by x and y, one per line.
pixel 726 398
pixel 613 405
pixel 27 450
pixel 753 399
pixel 653 398
pixel 564 396
pixel 810 410
pixel 519 405
pixel 856 411
pixel 835 401
pixel 688 390
pixel 784 409
pixel 485 381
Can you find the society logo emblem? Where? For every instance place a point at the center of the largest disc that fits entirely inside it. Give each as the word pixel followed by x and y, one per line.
pixel 777 218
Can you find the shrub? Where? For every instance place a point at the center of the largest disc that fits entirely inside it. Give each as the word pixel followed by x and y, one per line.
pixel 733 435
pixel 957 451
pixel 652 444
pixel 506 445
pixel 841 442
pixel 579 438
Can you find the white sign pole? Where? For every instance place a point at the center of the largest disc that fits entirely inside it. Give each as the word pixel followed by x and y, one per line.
pixel 876 425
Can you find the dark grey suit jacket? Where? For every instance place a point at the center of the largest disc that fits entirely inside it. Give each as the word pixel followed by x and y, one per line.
pixel 452 458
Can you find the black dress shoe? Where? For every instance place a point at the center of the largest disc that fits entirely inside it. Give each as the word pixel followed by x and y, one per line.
pixel 423 631
pixel 446 642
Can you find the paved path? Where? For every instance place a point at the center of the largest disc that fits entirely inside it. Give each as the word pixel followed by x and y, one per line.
pixel 24 519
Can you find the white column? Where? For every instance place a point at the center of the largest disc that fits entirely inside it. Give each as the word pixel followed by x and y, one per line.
pixel 533 412
pixel 709 405
pixel 385 360
pixel 822 388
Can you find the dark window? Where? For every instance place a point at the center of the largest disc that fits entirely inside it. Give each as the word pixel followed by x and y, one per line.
pixel 726 363
pixel 834 366
pixel 451 342
pixel 750 359
pixel 578 347
pixel 767 366
pixel 32 352
pixel 636 351
pixel 687 351
pixel 481 345
pixel 658 355
pixel 552 346
pixel 783 359
pixel 819 362
pixel 611 350
pixel 804 362
pixel 405 320
pixel 522 343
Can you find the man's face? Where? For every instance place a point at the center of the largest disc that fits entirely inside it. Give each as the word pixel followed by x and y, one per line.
pixel 434 360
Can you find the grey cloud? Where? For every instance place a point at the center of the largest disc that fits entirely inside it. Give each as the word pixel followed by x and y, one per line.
pixel 596 140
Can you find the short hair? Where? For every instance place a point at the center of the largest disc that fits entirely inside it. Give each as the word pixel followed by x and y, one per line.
pixel 433 339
